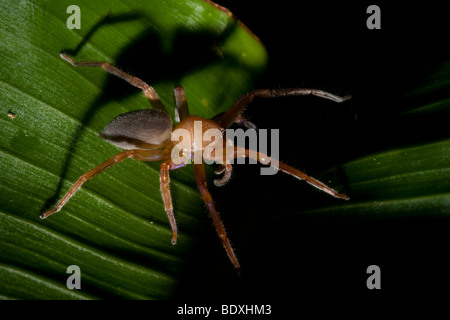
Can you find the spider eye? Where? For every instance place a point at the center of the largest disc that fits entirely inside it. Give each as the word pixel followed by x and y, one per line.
pixel 141 129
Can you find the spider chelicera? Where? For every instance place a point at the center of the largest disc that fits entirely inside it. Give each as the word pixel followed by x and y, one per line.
pixel 147 136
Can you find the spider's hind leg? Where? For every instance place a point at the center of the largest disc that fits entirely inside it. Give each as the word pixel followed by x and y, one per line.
pixel 148 91
pixel 265 159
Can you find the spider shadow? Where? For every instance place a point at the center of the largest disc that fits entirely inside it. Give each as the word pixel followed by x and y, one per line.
pixel 149 58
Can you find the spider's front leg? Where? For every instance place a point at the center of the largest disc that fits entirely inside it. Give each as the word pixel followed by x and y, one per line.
pixel 233 114
pixel 200 177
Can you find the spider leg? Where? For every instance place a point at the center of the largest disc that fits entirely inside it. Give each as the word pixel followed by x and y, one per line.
pixel 200 177
pixel 264 159
pixel 137 154
pixel 244 122
pixel 149 92
pixel 225 120
pixel 312 181
pixel 182 110
pixel 167 198
pixel 240 120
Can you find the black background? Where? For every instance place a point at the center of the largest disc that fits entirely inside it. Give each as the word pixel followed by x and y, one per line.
pixel 325 45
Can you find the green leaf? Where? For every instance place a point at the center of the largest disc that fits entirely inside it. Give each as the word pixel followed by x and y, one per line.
pixel 405 172
pixel 115 228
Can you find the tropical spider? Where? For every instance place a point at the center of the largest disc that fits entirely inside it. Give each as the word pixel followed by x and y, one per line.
pixel 146 136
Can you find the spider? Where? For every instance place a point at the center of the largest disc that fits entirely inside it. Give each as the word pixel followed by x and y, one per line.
pixel 146 135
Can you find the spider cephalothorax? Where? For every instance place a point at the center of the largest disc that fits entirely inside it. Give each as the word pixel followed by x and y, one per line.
pixel 147 136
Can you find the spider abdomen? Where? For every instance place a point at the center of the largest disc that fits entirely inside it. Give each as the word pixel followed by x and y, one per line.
pixel 140 129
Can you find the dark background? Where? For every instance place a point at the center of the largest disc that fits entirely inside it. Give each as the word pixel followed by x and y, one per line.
pixel 285 256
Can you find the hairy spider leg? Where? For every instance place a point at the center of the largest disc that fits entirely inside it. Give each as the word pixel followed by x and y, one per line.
pixel 166 196
pixel 200 177
pixel 234 112
pixel 142 155
pixel 149 92
pixel 265 159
